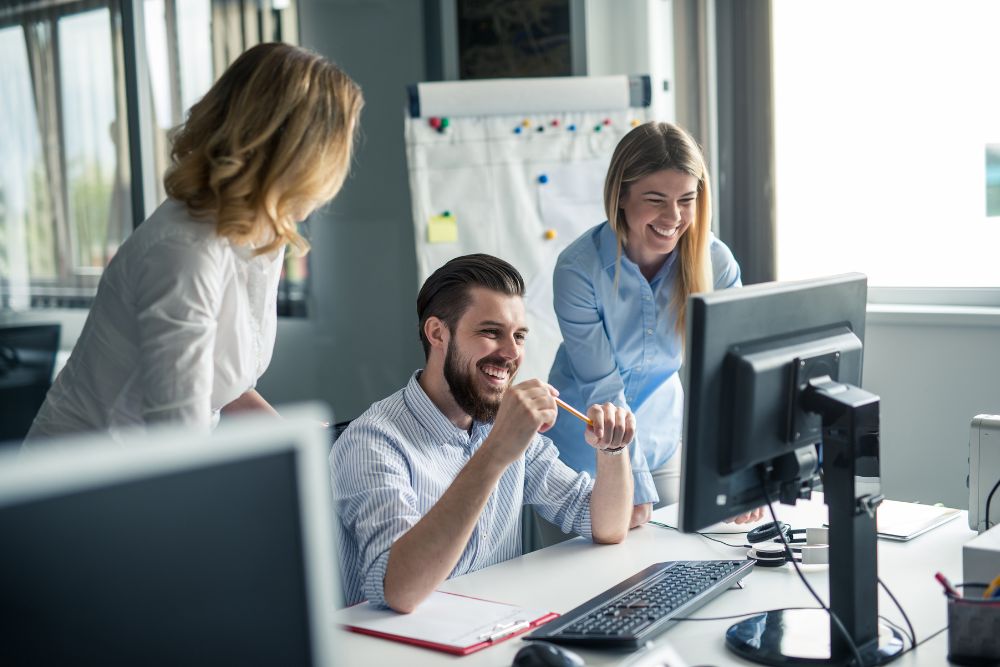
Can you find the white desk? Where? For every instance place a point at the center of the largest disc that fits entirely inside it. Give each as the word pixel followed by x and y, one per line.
pixel 565 575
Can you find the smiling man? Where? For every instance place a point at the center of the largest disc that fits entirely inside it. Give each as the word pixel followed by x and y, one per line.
pixel 430 482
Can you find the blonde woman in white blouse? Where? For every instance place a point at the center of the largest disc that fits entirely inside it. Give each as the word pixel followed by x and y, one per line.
pixel 184 319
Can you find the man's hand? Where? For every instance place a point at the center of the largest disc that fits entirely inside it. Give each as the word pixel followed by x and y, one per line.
pixel 613 427
pixel 747 517
pixel 526 409
pixel 641 514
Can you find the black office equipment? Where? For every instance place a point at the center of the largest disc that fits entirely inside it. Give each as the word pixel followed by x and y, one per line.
pixel 171 548
pixel 773 395
pixel 27 357
pixel 647 603
pixel 541 654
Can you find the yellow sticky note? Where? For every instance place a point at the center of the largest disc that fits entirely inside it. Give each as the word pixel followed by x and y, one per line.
pixel 442 229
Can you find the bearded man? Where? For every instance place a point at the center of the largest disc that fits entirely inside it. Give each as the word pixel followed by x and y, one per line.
pixel 429 483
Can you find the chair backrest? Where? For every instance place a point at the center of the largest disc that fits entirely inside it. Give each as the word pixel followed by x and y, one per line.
pixel 339 428
pixel 27 357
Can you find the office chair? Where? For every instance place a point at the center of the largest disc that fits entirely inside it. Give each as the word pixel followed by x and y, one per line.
pixel 337 429
pixel 27 357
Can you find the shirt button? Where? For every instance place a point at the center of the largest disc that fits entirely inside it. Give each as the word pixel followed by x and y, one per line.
pixel 649 332
pixel 645 297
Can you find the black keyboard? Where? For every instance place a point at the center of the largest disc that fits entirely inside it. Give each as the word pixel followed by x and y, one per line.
pixel 645 604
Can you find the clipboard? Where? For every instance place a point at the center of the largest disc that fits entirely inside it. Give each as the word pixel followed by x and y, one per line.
pixel 449 622
pixel 902 522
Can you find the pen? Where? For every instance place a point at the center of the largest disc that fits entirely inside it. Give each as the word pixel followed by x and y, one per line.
pixel 993 590
pixel 573 411
pixel 948 588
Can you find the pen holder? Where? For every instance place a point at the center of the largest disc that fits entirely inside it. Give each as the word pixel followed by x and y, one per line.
pixel 973 631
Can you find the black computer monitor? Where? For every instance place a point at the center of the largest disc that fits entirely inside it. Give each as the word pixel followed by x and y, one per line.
pixel 170 549
pixel 27 357
pixel 773 407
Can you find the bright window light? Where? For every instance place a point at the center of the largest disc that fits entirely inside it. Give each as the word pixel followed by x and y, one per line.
pixel 885 113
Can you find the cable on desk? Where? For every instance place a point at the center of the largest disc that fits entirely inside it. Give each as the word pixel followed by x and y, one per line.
pixel 922 641
pixel 705 535
pixel 743 615
pixel 989 499
pixel 913 633
pixel 734 546
pixel 898 628
pixel 788 553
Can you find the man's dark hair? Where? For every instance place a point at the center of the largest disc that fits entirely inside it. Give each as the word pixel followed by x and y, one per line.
pixel 445 294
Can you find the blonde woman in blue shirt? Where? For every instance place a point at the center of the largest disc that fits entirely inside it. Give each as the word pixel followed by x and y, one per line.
pixel 620 295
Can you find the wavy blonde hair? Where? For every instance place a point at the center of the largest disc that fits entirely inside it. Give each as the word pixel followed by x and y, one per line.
pixel 647 149
pixel 266 145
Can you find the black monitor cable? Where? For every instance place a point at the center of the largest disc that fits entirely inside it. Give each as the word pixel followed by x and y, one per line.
pixel 898 628
pixel 989 499
pixel 707 536
pixel 743 615
pixel 913 633
pixel 788 553
pixel 922 641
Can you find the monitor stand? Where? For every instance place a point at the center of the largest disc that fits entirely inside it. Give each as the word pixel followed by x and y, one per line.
pixel 850 439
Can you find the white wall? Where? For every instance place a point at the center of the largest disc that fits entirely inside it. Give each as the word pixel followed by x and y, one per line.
pixel 360 342
pixel 934 371
pixel 634 37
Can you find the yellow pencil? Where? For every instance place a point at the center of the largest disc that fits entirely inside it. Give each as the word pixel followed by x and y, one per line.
pixel 573 411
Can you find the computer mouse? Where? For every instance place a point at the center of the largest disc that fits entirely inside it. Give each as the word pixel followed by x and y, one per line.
pixel 543 654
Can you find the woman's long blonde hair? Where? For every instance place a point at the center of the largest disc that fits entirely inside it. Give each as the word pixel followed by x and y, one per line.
pixel 268 143
pixel 647 149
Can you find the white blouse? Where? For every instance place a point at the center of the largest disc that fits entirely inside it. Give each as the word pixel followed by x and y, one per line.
pixel 183 323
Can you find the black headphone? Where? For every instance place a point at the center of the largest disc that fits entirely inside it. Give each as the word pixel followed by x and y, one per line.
pixel 770 531
pixel 770 555
pixel 770 552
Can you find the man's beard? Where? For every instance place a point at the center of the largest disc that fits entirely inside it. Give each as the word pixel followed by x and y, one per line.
pixel 479 405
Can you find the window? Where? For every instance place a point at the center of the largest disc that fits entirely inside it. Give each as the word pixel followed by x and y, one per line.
pixel 65 181
pixel 26 243
pixel 64 186
pixel 885 114
pixel 96 202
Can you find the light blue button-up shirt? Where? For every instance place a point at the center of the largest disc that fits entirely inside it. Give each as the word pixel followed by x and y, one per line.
pixel 621 346
pixel 395 461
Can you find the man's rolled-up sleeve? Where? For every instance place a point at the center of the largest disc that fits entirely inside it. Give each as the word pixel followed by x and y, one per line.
pixel 375 501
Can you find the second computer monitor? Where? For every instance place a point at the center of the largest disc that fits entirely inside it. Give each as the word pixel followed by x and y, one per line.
pixel 172 549
pixel 27 357
pixel 750 353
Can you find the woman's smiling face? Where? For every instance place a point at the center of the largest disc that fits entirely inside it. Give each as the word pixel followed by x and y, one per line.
pixel 658 209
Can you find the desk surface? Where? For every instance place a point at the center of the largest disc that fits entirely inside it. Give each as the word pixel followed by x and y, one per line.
pixel 565 575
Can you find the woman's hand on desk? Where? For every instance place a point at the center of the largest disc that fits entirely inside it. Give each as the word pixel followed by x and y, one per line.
pixel 747 517
pixel 641 514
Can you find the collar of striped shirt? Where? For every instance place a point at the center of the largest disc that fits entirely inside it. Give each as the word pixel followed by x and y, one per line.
pixel 433 420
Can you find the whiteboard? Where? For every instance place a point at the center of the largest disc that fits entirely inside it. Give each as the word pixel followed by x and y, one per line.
pixel 520 186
